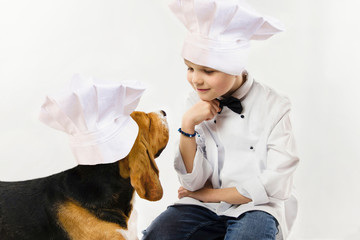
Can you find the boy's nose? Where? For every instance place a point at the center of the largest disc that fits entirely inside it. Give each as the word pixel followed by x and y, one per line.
pixel 197 79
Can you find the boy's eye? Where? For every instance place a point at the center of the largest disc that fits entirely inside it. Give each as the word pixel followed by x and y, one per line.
pixel 208 71
pixel 190 69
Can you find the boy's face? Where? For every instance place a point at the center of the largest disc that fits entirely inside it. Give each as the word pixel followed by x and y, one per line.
pixel 210 83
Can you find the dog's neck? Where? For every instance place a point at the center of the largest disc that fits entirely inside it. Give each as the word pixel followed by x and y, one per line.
pixel 100 187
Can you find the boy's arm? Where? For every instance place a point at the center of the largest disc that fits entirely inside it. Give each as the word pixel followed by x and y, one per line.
pixel 229 195
pixel 187 147
pixel 199 112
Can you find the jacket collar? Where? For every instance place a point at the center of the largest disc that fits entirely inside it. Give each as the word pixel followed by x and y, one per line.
pixel 245 88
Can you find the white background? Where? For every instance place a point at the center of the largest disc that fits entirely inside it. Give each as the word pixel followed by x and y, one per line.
pixel 315 62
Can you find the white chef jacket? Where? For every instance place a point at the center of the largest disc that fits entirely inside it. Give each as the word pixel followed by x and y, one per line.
pixel 253 151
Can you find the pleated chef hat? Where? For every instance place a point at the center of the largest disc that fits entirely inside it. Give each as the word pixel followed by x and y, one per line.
pixel 96 116
pixel 219 32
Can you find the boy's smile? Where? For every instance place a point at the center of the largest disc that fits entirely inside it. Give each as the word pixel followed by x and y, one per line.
pixel 203 90
pixel 210 83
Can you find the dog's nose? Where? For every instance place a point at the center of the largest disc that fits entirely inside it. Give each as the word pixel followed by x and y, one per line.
pixel 163 113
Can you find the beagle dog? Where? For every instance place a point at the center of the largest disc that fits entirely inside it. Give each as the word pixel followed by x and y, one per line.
pixel 87 202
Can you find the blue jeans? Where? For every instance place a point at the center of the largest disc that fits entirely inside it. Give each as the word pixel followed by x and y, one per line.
pixel 191 222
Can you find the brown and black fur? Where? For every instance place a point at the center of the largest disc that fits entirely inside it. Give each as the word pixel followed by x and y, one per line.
pixel 85 202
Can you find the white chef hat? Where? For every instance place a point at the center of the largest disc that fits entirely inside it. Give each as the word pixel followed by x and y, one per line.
pixel 96 116
pixel 219 32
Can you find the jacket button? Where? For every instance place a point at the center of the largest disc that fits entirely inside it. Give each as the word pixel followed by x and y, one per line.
pixel 242 116
pixel 214 121
pixel 251 147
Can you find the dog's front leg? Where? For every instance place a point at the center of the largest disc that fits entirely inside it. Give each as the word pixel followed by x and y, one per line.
pixel 80 224
pixel 131 232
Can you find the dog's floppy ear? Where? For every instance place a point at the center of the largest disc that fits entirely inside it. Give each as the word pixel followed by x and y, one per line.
pixel 144 173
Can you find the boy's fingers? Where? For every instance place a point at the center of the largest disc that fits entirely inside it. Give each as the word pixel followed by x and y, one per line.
pixel 216 104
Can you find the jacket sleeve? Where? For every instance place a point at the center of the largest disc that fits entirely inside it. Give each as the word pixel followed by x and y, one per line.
pixel 202 169
pixel 276 180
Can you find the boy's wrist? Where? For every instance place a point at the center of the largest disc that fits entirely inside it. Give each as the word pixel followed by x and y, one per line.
pixel 187 126
pixel 189 135
pixel 188 132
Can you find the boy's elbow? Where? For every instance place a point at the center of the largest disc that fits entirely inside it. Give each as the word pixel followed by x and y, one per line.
pixel 193 185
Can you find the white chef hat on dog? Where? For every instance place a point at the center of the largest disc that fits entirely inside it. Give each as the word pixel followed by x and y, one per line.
pixel 219 32
pixel 96 116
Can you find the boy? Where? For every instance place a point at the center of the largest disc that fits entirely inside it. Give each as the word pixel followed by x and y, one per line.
pixel 236 155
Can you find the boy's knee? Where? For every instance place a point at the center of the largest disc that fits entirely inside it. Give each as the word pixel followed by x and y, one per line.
pixel 254 225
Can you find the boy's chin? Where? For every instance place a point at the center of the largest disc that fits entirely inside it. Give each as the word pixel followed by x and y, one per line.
pixel 205 97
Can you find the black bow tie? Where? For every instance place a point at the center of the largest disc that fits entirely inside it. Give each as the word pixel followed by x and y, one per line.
pixel 233 103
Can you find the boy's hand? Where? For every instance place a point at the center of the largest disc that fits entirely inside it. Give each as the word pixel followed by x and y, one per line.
pixel 201 111
pixel 203 194
pixel 199 194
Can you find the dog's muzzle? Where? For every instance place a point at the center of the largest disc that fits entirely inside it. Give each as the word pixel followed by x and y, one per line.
pixel 162 115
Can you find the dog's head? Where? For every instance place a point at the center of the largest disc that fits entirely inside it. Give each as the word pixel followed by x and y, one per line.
pixel 140 164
